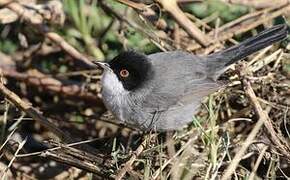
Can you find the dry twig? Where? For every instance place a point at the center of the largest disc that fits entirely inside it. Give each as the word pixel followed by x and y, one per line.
pixel 128 165
pixel 258 4
pixel 172 7
pixel 250 138
pixel 16 100
pixel 163 45
pixel 146 12
pixel 69 89
pixel 243 24
pixel 263 120
pixel 259 159
pixel 39 24
pixel 66 154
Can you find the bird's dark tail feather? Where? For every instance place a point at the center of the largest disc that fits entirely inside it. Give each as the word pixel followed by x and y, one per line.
pixel 249 46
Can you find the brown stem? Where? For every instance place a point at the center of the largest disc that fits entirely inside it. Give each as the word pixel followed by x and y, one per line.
pixel 171 7
pixel 29 110
pixel 38 21
pixel 36 78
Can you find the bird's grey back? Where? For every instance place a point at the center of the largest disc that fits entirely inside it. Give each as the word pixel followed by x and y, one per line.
pixel 172 97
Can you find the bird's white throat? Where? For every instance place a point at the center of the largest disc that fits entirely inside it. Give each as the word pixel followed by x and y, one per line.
pixel 114 94
pixel 111 84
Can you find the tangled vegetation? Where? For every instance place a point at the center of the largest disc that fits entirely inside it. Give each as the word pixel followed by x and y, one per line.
pixel 55 126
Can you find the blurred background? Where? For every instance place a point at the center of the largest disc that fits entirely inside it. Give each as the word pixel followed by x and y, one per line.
pixel 46 50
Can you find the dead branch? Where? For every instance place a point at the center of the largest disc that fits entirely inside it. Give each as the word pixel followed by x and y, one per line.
pixel 22 12
pixel 69 89
pixel 97 164
pixel 146 12
pixel 263 120
pixel 256 17
pixel 258 162
pixel 163 45
pixel 5 2
pixel 244 24
pixel 50 11
pixel 29 110
pixel 171 7
pixel 20 146
pixel 250 138
pixel 68 48
pixel 258 4
pixel 128 165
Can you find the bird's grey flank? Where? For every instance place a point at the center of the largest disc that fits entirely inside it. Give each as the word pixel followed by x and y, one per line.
pixel 162 91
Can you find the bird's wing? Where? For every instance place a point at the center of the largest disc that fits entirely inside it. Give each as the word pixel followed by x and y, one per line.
pixel 179 79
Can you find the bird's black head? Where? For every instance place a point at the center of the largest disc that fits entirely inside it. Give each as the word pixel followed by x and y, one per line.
pixel 132 69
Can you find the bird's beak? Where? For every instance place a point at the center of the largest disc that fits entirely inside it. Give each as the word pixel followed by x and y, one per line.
pixel 103 65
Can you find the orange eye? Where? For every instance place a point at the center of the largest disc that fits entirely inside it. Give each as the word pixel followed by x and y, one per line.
pixel 124 73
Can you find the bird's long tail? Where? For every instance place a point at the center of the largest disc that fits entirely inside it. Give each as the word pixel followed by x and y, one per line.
pixel 219 60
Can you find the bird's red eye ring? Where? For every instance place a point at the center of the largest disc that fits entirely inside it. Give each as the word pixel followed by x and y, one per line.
pixel 124 73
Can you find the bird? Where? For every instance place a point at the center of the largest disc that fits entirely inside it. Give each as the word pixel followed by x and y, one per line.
pixel 162 91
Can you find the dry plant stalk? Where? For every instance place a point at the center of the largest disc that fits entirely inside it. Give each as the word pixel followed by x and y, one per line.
pixel 39 24
pixel 241 25
pixel 263 120
pixel 68 89
pixel 171 7
pixel 258 4
pixel 226 32
pixel 19 103
pixel 250 138
pixel 128 165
